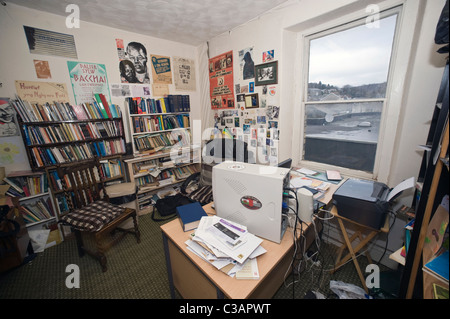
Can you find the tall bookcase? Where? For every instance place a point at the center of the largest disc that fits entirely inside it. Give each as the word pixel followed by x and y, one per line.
pixel 59 133
pixel 433 176
pixel 163 153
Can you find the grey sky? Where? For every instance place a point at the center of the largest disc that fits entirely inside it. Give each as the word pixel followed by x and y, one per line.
pixel 356 56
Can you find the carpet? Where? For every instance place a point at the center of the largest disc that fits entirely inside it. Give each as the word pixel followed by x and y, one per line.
pixel 138 271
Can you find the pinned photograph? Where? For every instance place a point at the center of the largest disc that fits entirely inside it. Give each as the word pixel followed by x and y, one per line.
pixel 266 73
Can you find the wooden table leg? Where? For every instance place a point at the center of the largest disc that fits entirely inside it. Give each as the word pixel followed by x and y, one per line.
pixel 352 253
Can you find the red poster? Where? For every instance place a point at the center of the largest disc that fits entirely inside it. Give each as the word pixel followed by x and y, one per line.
pixel 221 81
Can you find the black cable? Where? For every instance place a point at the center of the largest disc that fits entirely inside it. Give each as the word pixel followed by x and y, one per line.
pixel 295 239
pixel 387 236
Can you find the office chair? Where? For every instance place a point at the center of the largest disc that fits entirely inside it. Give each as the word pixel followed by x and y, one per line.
pixel 90 210
pixel 214 152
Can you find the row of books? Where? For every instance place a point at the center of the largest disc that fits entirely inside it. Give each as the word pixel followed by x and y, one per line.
pixel 37 211
pixel 168 104
pixel 58 111
pixel 166 176
pixel 76 152
pixel 71 132
pixel 24 183
pixel 156 142
pixel 145 166
pixel 111 168
pixel 160 123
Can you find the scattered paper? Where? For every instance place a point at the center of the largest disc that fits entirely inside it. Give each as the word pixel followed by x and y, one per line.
pixel 224 244
pixel 408 183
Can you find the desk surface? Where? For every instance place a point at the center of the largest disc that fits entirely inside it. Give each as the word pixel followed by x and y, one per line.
pixel 230 286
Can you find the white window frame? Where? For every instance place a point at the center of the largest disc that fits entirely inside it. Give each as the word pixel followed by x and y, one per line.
pixel 387 118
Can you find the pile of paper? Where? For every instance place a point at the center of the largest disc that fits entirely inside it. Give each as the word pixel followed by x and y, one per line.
pixel 226 245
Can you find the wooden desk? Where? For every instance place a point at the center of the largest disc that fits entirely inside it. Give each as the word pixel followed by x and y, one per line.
pixel 196 278
pixel 348 242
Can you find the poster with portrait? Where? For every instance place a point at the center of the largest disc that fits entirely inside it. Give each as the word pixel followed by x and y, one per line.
pixel 184 74
pixel 133 62
pixel 161 70
pixel 88 79
pixel 221 81
pixel 8 121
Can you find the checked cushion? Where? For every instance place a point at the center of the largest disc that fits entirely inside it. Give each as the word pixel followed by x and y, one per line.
pixel 93 216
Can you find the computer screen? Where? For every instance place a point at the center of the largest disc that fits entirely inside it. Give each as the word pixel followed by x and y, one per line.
pixel 286 163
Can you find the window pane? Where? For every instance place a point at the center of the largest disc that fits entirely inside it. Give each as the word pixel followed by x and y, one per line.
pixel 343 134
pixel 353 63
pixel 347 83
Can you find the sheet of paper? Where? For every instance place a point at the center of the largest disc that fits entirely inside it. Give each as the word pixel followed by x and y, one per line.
pixel 306 171
pixel 298 182
pixel 240 254
pixel 408 183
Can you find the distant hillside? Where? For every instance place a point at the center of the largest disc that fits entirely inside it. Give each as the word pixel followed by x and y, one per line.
pixel 317 91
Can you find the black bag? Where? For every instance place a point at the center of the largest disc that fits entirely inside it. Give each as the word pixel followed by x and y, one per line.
pixel 167 206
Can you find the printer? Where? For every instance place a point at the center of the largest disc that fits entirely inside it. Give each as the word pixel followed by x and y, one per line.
pixel 363 201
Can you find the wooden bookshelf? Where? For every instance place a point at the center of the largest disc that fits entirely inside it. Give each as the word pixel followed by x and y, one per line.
pixel 60 133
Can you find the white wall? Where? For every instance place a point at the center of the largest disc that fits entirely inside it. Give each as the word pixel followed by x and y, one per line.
pixel 416 81
pixel 94 43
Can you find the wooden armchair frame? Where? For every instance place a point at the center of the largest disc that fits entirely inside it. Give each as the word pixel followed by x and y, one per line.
pixel 90 210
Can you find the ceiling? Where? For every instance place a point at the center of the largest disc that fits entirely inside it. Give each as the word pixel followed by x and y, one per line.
pixel 186 21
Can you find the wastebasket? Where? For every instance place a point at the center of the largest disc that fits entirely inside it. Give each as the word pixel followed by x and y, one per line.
pixel 123 194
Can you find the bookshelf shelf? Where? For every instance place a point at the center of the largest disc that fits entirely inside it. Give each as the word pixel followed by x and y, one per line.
pixel 160 173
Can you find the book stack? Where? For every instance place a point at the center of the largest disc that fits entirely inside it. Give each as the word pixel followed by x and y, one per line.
pixel 228 246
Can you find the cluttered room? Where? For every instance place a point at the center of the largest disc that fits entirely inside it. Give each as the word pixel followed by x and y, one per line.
pixel 268 150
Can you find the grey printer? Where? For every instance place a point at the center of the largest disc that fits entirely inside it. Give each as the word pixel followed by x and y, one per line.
pixel 363 201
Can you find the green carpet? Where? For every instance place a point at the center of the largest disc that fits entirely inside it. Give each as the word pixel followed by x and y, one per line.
pixel 138 271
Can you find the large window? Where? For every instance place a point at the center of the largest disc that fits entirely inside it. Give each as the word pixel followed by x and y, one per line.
pixel 346 94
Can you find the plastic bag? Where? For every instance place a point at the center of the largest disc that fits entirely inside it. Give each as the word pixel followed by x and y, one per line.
pixel 347 291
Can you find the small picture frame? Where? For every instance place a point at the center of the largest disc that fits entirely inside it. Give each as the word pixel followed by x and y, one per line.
pixel 266 73
pixel 251 101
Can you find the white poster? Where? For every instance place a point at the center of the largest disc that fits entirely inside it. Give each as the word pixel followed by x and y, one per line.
pixel 184 73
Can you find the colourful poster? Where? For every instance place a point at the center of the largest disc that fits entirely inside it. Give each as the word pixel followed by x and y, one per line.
pixel 88 79
pixel 221 81
pixel 161 71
